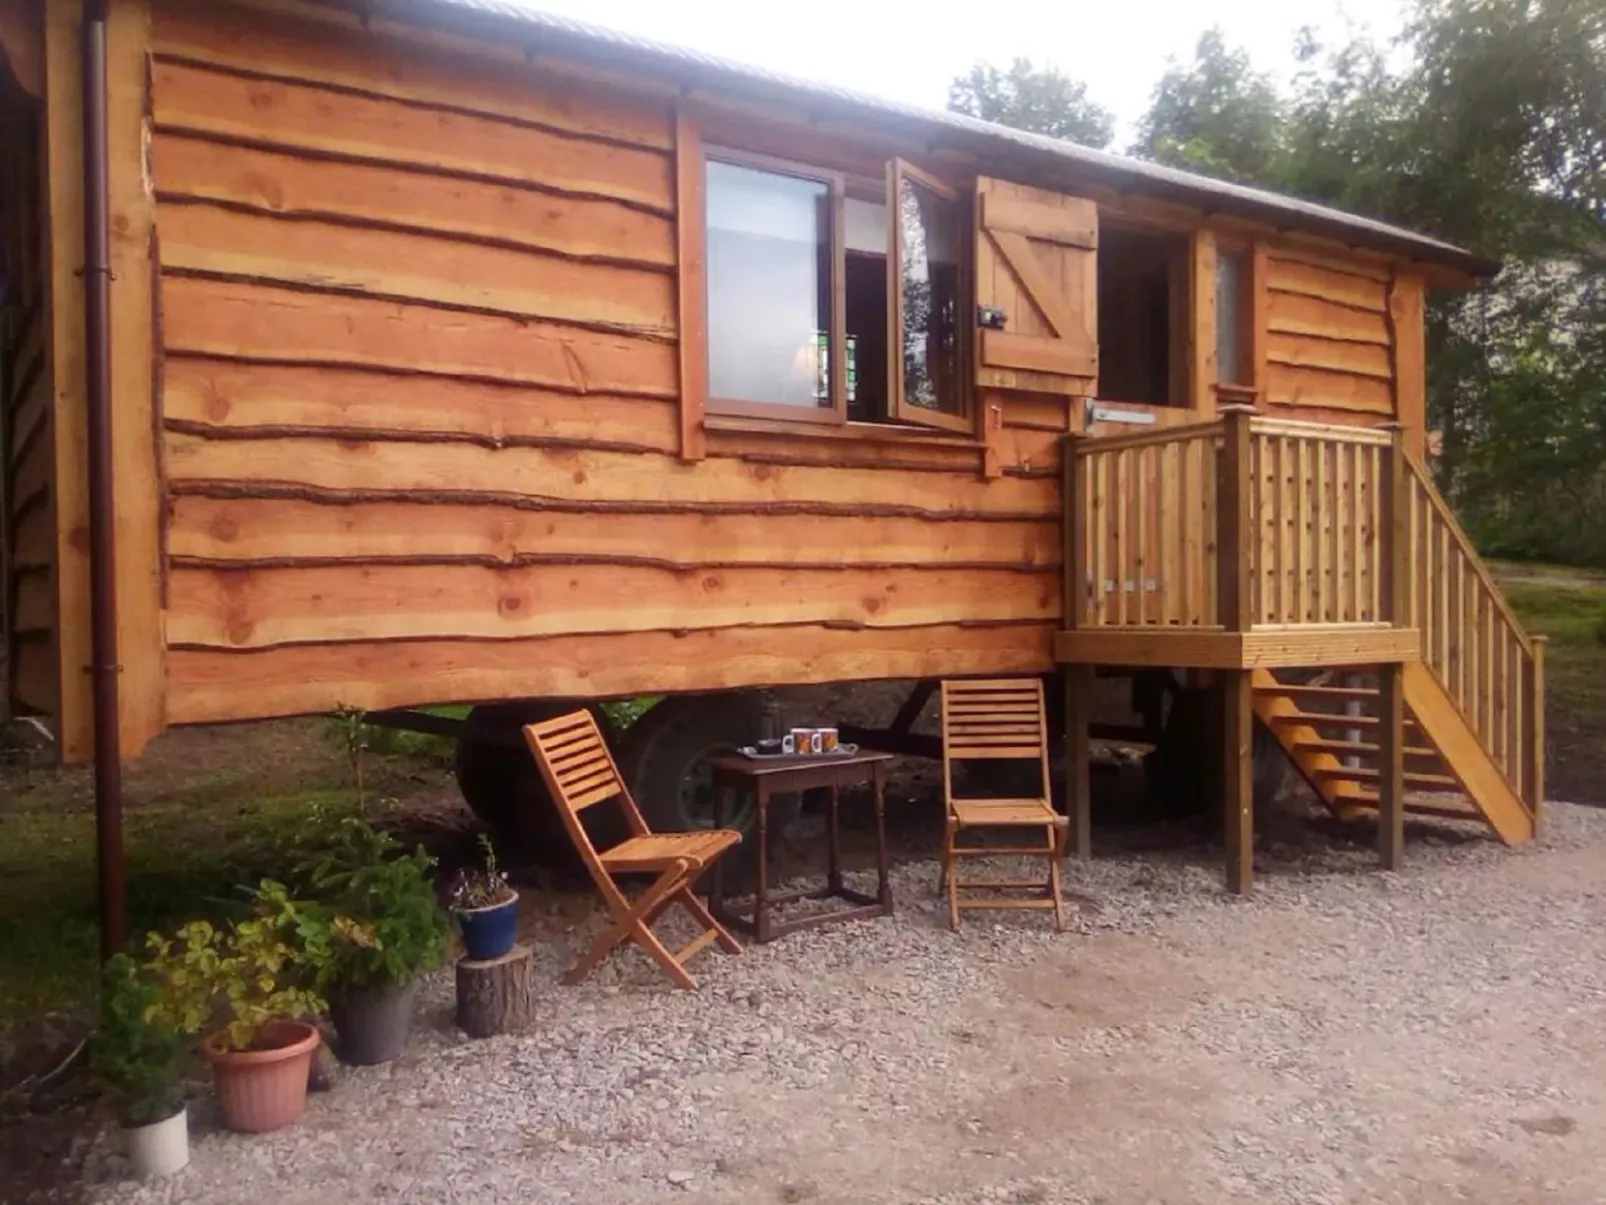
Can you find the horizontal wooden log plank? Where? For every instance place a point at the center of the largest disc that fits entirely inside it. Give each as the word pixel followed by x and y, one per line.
pixel 324 122
pixel 867 452
pixel 460 471
pixel 261 608
pixel 34 540
pixel 36 601
pixel 1301 351
pixel 1329 390
pixel 415 268
pixel 1297 314
pixel 258 322
pixel 269 43
pixel 205 686
pixel 35 683
pixel 1366 264
pixel 228 397
pixel 1303 413
pixel 285 530
pixel 265 181
pixel 1342 288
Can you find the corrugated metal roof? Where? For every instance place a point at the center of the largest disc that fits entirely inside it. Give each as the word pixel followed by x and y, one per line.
pixel 1032 156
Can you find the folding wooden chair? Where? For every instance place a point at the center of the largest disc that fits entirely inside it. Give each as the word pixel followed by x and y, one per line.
pixel 580 773
pixel 999 720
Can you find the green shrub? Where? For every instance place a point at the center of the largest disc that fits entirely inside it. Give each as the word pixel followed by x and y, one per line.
pixel 373 918
pixel 137 1051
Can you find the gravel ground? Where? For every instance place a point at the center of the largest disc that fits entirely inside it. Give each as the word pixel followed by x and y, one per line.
pixel 1342 1035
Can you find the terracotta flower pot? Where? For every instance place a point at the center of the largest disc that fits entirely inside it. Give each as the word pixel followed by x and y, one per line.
pixel 266 1089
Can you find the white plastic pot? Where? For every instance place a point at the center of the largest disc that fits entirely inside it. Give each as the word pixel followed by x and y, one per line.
pixel 160 1149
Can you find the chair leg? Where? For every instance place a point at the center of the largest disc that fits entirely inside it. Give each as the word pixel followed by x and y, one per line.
pixel 648 940
pixel 951 865
pixel 630 924
pixel 1055 844
pixel 700 913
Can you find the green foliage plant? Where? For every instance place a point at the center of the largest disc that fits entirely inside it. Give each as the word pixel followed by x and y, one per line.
pixel 374 919
pixel 137 1051
pixel 237 979
pixel 485 887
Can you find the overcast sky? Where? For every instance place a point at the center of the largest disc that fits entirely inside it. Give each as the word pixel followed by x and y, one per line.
pixel 899 49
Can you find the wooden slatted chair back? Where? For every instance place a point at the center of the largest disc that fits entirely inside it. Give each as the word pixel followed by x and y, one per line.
pixel 580 772
pixel 994 718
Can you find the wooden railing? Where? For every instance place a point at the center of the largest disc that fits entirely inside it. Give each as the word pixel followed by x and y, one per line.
pixel 1142 527
pixel 1474 644
pixel 1315 509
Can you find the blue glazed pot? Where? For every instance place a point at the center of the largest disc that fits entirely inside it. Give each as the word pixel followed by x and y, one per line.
pixel 489 932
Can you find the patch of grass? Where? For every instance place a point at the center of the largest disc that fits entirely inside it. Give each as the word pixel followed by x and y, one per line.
pixel 183 862
pixel 1569 607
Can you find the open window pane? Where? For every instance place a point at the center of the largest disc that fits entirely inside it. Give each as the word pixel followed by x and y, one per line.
pixel 769 287
pixel 927 355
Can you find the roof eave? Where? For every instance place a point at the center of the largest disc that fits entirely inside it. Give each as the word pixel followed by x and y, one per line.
pixel 689 72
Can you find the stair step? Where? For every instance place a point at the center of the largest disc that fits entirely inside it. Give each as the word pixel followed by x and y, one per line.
pixel 1327 719
pixel 1344 774
pixel 1447 811
pixel 1358 748
pixel 1320 692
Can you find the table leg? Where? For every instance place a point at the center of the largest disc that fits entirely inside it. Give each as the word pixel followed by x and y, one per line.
pixel 879 778
pixel 761 833
pixel 833 844
pixel 716 894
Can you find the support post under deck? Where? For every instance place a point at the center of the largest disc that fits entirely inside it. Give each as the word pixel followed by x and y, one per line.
pixel 1391 765
pixel 1238 719
pixel 1078 779
pixel 1234 518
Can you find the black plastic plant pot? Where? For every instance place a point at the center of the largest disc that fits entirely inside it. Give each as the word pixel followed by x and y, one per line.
pixel 372 1022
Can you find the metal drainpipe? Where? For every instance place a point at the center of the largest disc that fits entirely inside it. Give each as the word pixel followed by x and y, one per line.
pixel 104 668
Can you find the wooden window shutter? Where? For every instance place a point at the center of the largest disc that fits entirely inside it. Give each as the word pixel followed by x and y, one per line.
pixel 1037 262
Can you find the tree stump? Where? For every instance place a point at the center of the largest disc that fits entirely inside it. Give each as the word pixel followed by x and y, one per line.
pixel 496 995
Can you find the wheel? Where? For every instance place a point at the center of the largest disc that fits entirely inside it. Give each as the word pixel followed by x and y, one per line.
pixel 665 758
pixel 502 785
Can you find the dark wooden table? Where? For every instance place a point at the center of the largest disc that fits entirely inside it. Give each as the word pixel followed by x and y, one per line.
pixel 763 779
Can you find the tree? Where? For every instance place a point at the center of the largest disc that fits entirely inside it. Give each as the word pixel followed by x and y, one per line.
pixel 1216 115
pixel 1485 124
pixel 1039 100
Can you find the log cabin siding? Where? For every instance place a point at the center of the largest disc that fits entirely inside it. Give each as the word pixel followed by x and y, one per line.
pixel 1330 344
pixel 421 373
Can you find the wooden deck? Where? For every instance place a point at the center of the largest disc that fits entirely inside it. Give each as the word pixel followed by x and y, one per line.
pixel 1260 548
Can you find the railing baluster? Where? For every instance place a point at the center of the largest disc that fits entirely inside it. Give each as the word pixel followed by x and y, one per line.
pixel 1190 544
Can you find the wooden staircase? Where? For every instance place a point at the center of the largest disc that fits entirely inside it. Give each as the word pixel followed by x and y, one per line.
pixel 1473 703
pixel 1330 733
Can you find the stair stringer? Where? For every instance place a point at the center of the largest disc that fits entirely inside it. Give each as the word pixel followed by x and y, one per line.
pixel 1441 722
pixel 1270 707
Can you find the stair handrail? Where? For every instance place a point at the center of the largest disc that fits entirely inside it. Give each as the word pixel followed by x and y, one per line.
pixel 1464 542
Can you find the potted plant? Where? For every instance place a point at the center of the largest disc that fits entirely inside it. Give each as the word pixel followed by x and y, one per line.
pixel 486 908
pixel 246 981
pixel 374 926
pixel 141 1056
